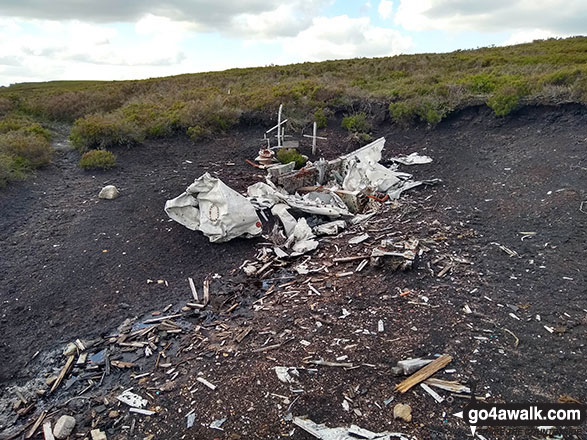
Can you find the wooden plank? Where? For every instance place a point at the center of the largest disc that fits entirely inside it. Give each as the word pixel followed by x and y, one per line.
pixel 36 425
pixel 162 318
pixel 206 292
pixel 424 373
pixel 193 288
pixel 63 373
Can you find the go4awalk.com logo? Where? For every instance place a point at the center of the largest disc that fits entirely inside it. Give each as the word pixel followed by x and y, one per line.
pixel 477 414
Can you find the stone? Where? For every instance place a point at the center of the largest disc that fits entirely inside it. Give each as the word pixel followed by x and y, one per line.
pixel 98 435
pixel 404 412
pixel 109 192
pixel 63 427
pixel 113 414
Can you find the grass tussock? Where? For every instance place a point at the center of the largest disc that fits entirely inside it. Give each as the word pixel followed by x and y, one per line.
pixel 21 152
pixel 97 160
pixel 421 88
pixel 287 155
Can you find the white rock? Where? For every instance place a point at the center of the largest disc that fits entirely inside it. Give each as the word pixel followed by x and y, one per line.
pixel 98 435
pixel 63 427
pixel 109 192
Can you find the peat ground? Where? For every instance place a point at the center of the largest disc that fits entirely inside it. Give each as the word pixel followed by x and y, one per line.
pixel 73 266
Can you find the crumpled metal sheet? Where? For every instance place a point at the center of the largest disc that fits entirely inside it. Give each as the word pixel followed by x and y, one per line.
pixel 323 432
pixel 212 207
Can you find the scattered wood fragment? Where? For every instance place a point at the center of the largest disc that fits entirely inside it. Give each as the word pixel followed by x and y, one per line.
pixel 243 334
pixel 433 393
pixel 448 385
pixel 206 292
pixel 445 270
pixel 266 348
pixel 330 364
pixel 232 308
pixel 162 318
pixel 63 373
pixel 36 425
pixel 424 373
pixel 348 259
pixel 144 412
pixel 121 364
pixel 193 289
pixel 205 382
pixel 513 334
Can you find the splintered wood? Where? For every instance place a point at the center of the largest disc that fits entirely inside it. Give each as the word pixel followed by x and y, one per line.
pixel 424 373
pixel 63 373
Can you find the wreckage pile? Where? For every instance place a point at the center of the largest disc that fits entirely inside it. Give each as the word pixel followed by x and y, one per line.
pixel 322 199
pixel 326 197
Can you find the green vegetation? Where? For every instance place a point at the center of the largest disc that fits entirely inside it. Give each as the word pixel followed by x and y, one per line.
pixel 421 88
pixel 358 126
pixel 97 160
pixel 23 148
pixel 356 123
pixel 104 131
pixel 320 118
pixel 287 155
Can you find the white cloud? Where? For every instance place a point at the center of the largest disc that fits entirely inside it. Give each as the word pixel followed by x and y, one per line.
pixel 285 20
pixel 345 37
pixel 281 17
pixel 385 9
pixel 557 16
pixel 527 36
pixel 42 50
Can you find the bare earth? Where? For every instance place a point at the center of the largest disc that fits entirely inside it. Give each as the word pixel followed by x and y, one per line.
pixel 73 266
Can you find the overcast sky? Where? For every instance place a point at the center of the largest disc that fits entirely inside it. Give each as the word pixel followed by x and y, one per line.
pixel 124 39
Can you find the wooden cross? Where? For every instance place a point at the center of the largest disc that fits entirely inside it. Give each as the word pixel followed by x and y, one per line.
pixel 314 137
pixel 280 128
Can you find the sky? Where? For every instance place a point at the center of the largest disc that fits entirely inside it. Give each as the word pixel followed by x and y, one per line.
pixel 135 39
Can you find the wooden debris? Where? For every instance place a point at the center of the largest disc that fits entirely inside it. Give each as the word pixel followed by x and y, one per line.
pixel 348 259
pixel 36 425
pixel 448 385
pixel 243 334
pixel 517 342
pixel 362 265
pixel 63 373
pixel 144 412
pixel 205 382
pixel 162 318
pixel 424 373
pixel 433 393
pixel 206 292
pixel 445 270
pixel 193 289
pixel 331 364
pixel 121 364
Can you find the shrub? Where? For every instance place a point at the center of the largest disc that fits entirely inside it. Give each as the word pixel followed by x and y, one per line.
pixel 6 106
pixel 36 129
pixel 104 131
pixel 506 99
pixel 28 150
pixel 481 83
pixel 97 160
pixel 198 132
pixel 10 169
pixel 287 155
pixel 320 118
pixel 401 112
pixel 356 123
pixel 564 77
